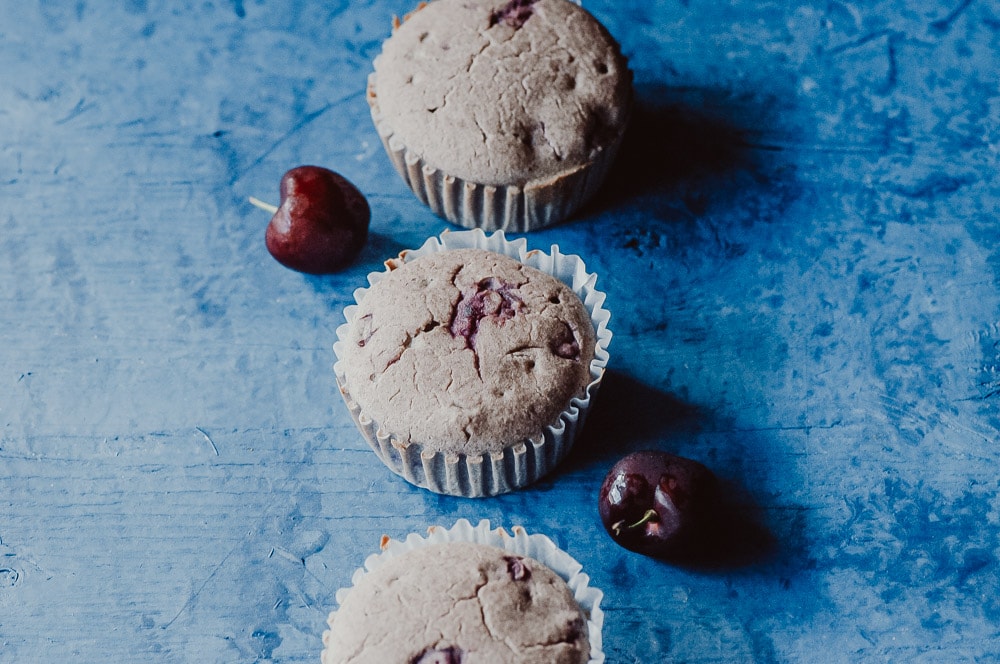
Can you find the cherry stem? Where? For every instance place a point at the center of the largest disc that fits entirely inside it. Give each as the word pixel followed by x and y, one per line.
pixel 650 515
pixel 267 207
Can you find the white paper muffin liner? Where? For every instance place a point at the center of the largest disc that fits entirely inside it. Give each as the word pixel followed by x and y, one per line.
pixel 538 547
pixel 512 208
pixel 524 462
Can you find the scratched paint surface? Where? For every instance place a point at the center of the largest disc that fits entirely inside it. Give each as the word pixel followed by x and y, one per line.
pixel 799 247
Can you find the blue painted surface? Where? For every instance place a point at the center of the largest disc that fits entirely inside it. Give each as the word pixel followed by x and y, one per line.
pixel 800 250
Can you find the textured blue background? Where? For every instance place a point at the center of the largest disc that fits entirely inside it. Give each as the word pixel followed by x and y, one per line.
pixel 801 253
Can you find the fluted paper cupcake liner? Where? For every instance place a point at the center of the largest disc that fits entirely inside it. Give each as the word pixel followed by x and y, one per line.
pixel 524 462
pixel 519 542
pixel 512 208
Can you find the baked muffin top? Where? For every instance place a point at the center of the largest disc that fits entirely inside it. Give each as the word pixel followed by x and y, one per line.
pixel 503 93
pixel 458 603
pixel 467 351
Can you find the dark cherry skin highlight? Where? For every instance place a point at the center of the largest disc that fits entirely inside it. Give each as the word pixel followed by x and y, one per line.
pixel 657 504
pixel 320 225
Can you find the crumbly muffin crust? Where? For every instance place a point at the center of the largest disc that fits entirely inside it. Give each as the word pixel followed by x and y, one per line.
pixel 503 93
pixel 467 351
pixel 458 603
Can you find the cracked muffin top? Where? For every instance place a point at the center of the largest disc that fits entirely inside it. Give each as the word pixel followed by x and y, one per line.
pixel 467 351
pixel 458 603
pixel 503 93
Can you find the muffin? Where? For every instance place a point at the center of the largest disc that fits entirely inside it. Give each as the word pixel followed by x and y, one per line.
pixel 501 115
pixel 467 351
pixel 470 595
pixel 468 369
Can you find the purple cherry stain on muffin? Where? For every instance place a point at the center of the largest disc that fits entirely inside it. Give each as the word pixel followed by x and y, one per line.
pixel 517 568
pixel 366 330
pixel 439 656
pixel 515 13
pixel 565 345
pixel 493 299
pixel 575 630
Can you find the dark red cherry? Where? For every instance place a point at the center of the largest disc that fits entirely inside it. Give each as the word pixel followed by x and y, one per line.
pixel 658 504
pixel 320 225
